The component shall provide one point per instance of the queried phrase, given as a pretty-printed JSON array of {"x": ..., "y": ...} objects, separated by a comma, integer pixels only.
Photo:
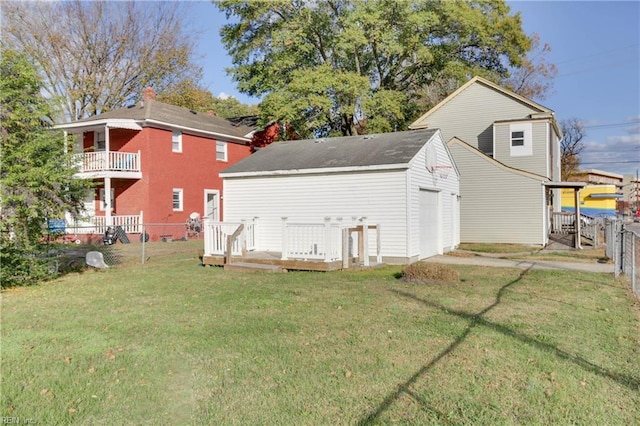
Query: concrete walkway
[{"x": 494, "y": 260}]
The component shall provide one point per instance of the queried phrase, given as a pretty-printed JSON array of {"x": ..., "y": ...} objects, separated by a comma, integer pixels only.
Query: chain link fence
[
  {"x": 623, "y": 246},
  {"x": 68, "y": 247}
]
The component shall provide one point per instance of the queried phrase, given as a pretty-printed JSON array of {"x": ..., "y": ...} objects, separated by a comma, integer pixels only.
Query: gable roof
[
  {"x": 377, "y": 151},
  {"x": 479, "y": 80},
  {"x": 151, "y": 113}
]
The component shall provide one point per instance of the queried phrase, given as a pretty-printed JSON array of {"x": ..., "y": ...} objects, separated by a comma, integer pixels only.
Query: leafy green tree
[
  {"x": 36, "y": 174},
  {"x": 97, "y": 55},
  {"x": 361, "y": 66}
]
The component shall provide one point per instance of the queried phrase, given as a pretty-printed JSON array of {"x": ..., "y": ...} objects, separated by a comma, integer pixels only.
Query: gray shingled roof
[
  {"x": 395, "y": 148},
  {"x": 178, "y": 116}
]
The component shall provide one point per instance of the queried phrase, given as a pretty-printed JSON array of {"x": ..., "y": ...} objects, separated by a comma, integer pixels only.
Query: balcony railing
[{"x": 108, "y": 161}]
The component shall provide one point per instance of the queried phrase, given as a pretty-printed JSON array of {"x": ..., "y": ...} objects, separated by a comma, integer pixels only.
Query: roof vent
[
  {"x": 365, "y": 137},
  {"x": 319, "y": 141}
]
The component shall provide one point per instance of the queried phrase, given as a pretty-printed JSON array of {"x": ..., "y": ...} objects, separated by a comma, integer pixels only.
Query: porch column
[
  {"x": 107, "y": 202},
  {"x": 576, "y": 199},
  {"x": 107, "y": 148}
]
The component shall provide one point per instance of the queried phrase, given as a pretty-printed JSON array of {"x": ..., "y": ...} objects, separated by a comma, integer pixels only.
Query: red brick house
[{"x": 159, "y": 163}]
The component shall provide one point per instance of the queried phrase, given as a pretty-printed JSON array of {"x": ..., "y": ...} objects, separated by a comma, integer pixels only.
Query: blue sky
[{"x": 595, "y": 44}]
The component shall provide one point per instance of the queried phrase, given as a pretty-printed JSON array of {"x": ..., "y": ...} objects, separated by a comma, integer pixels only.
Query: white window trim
[
  {"x": 176, "y": 136},
  {"x": 97, "y": 140},
  {"x": 224, "y": 152},
  {"x": 180, "y": 193},
  {"x": 526, "y": 149}
]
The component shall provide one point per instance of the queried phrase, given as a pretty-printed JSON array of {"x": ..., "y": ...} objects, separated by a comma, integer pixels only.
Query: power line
[
  {"x": 627, "y": 123},
  {"x": 610, "y": 162}
]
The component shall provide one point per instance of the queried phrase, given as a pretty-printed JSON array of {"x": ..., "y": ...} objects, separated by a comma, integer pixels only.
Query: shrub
[{"x": 422, "y": 272}]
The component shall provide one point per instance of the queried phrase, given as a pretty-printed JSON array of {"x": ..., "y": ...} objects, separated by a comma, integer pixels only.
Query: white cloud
[{"x": 223, "y": 96}]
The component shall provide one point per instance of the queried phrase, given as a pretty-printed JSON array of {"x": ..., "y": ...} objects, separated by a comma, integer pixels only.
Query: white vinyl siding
[
  {"x": 421, "y": 179},
  {"x": 503, "y": 206},
  {"x": 470, "y": 115},
  {"x": 176, "y": 141},
  {"x": 221, "y": 151},
  {"x": 532, "y": 156},
  {"x": 379, "y": 196}
]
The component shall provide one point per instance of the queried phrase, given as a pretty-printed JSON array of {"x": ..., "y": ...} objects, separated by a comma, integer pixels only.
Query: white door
[
  {"x": 430, "y": 229},
  {"x": 212, "y": 205}
]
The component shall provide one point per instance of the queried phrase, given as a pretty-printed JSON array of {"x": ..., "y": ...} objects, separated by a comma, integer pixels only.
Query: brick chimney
[{"x": 148, "y": 94}]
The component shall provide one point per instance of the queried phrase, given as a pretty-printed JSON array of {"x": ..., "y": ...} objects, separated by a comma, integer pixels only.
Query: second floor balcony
[{"x": 115, "y": 164}]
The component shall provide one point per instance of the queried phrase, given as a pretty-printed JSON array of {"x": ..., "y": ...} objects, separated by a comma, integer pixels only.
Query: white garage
[{"x": 404, "y": 182}]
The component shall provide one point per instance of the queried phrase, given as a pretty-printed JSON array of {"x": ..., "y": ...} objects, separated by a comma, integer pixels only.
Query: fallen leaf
[
  {"x": 92, "y": 370},
  {"x": 347, "y": 374},
  {"x": 67, "y": 360},
  {"x": 72, "y": 410}
]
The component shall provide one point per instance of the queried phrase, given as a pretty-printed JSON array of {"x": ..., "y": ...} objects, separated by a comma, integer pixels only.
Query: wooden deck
[{"x": 274, "y": 258}]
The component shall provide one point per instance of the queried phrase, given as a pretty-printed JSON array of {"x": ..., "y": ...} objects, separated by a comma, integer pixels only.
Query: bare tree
[
  {"x": 96, "y": 56},
  {"x": 571, "y": 146},
  {"x": 533, "y": 79}
]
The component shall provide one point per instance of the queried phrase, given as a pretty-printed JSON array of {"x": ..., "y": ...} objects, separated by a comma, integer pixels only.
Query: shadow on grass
[{"x": 475, "y": 320}]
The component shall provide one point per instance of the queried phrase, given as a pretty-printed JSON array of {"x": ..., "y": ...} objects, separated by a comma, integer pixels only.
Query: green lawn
[{"x": 173, "y": 342}]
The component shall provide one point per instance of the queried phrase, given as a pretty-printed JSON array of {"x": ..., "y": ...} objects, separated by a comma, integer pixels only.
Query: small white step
[{"x": 252, "y": 267}]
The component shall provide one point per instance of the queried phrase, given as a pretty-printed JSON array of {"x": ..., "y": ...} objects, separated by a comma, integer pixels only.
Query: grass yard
[{"x": 174, "y": 342}]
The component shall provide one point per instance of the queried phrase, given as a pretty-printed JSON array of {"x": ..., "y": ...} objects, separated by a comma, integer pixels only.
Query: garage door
[{"x": 429, "y": 223}]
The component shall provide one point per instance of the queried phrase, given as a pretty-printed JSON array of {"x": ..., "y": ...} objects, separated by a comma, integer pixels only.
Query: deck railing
[
  {"x": 131, "y": 224},
  {"x": 326, "y": 241},
  {"x": 105, "y": 161},
  {"x": 216, "y": 233},
  {"x": 563, "y": 223},
  {"x": 312, "y": 241}
]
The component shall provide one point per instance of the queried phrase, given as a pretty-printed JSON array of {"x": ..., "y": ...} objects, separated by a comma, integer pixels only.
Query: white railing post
[
  {"x": 208, "y": 237},
  {"x": 327, "y": 239},
  {"x": 284, "y": 239},
  {"x": 365, "y": 241},
  {"x": 345, "y": 248},
  {"x": 378, "y": 245}
]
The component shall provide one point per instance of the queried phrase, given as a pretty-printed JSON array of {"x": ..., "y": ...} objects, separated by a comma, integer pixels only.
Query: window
[
  {"x": 176, "y": 141},
  {"x": 517, "y": 138},
  {"x": 521, "y": 139},
  {"x": 177, "y": 199},
  {"x": 99, "y": 143},
  {"x": 221, "y": 151}
]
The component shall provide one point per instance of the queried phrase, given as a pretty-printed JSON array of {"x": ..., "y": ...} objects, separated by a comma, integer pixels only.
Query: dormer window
[
  {"x": 517, "y": 138},
  {"x": 521, "y": 139}
]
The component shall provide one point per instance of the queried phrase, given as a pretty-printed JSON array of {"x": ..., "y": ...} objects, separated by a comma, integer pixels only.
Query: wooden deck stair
[{"x": 253, "y": 267}]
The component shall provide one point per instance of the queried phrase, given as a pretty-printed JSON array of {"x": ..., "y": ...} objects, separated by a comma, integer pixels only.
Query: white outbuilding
[{"x": 405, "y": 183}]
